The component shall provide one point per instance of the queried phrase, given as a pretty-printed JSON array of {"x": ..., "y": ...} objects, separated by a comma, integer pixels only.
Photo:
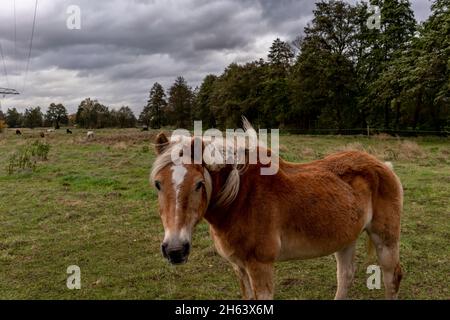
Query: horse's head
[{"x": 183, "y": 196}]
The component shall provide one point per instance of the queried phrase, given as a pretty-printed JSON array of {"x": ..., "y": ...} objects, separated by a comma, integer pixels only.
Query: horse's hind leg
[
  {"x": 345, "y": 270},
  {"x": 389, "y": 260},
  {"x": 384, "y": 231}
]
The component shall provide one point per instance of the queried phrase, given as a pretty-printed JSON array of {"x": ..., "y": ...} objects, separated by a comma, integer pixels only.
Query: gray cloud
[{"x": 124, "y": 46}]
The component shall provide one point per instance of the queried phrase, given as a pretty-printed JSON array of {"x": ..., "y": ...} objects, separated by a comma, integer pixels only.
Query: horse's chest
[{"x": 224, "y": 248}]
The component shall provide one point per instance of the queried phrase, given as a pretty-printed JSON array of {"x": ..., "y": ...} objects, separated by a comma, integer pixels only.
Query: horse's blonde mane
[{"x": 230, "y": 188}]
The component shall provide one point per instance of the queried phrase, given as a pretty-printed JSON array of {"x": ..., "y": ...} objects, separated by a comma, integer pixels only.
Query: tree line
[
  {"x": 90, "y": 114},
  {"x": 340, "y": 74},
  {"x": 33, "y": 117}
]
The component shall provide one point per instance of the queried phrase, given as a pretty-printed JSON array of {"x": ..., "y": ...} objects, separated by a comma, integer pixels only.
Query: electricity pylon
[{"x": 5, "y": 91}]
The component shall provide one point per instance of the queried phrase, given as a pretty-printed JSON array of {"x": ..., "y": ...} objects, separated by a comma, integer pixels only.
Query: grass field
[{"x": 90, "y": 204}]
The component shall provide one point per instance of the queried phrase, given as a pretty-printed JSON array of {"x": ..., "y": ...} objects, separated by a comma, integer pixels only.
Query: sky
[{"x": 123, "y": 46}]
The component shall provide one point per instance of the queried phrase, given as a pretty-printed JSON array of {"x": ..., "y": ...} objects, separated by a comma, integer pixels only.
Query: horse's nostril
[
  {"x": 178, "y": 254},
  {"x": 164, "y": 249},
  {"x": 186, "y": 248}
]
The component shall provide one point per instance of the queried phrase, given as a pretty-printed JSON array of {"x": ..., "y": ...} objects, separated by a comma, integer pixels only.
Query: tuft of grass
[
  {"x": 40, "y": 150},
  {"x": 410, "y": 150},
  {"x": 21, "y": 160},
  {"x": 26, "y": 157}
]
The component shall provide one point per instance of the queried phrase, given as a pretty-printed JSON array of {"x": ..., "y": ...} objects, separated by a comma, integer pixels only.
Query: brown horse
[{"x": 303, "y": 211}]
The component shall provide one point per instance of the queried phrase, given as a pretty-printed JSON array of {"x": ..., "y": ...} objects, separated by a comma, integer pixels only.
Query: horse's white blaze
[
  {"x": 178, "y": 174},
  {"x": 167, "y": 235},
  {"x": 185, "y": 235}
]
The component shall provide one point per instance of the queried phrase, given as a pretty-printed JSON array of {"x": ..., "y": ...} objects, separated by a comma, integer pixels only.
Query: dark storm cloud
[{"x": 124, "y": 46}]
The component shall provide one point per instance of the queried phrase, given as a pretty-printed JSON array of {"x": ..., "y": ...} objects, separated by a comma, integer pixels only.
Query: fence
[{"x": 366, "y": 132}]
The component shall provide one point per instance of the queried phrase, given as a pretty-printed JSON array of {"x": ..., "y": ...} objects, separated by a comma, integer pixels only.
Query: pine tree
[
  {"x": 153, "y": 113},
  {"x": 180, "y": 103},
  {"x": 13, "y": 118},
  {"x": 202, "y": 107},
  {"x": 280, "y": 56},
  {"x": 32, "y": 117}
]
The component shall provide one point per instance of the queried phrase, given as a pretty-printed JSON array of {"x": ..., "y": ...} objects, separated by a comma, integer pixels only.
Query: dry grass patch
[
  {"x": 353, "y": 146},
  {"x": 383, "y": 136},
  {"x": 120, "y": 146},
  {"x": 308, "y": 152},
  {"x": 128, "y": 138},
  {"x": 410, "y": 150}
]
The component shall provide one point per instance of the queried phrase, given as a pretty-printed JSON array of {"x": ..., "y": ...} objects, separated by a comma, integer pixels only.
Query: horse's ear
[
  {"x": 161, "y": 143},
  {"x": 197, "y": 147}
]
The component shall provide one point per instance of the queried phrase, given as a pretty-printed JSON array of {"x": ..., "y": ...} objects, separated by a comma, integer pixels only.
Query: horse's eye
[
  {"x": 199, "y": 185},
  {"x": 158, "y": 185}
]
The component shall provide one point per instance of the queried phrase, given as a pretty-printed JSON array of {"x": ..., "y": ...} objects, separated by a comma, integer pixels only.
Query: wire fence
[
  {"x": 366, "y": 132},
  {"x": 349, "y": 132}
]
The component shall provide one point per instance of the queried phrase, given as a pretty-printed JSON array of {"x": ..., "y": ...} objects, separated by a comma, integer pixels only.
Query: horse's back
[{"x": 349, "y": 165}]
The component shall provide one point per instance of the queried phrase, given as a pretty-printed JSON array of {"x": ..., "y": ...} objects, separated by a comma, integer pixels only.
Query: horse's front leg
[
  {"x": 261, "y": 279},
  {"x": 244, "y": 281}
]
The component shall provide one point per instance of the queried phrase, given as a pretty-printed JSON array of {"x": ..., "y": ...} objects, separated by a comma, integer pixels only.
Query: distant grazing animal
[
  {"x": 144, "y": 128},
  {"x": 42, "y": 135},
  {"x": 69, "y": 131},
  {"x": 302, "y": 211},
  {"x": 18, "y": 132},
  {"x": 50, "y": 130},
  {"x": 90, "y": 134}
]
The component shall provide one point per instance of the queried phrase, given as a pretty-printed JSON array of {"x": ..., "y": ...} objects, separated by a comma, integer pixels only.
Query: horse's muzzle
[{"x": 176, "y": 255}]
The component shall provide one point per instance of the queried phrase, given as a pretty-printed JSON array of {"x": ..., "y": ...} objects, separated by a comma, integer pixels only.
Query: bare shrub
[{"x": 3, "y": 126}]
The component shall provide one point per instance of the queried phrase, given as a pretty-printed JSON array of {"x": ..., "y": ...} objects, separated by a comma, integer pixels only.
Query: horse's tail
[
  {"x": 370, "y": 247},
  {"x": 389, "y": 165}
]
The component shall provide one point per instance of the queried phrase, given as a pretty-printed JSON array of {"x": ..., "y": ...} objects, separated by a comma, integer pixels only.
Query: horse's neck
[{"x": 224, "y": 217}]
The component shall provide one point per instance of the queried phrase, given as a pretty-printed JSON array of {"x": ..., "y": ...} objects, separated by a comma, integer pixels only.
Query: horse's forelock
[{"x": 230, "y": 188}]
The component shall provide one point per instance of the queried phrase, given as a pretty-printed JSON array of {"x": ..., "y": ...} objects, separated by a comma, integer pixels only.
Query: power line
[
  {"x": 31, "y": 45},
  {"x": 15, "y": 43},
  {"x": 4, "y": 64}
]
